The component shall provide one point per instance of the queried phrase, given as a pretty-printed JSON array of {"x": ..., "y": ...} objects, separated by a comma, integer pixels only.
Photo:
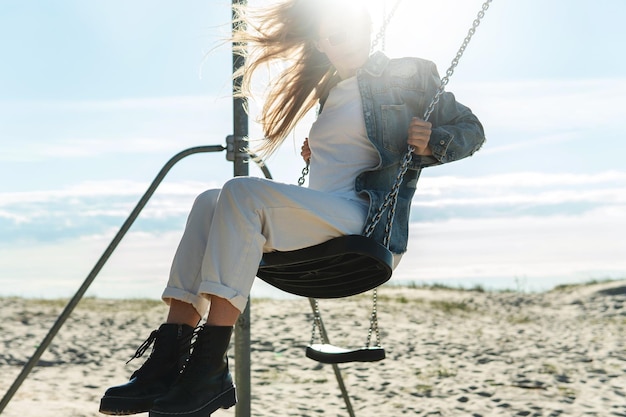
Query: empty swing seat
[
  {"x": 327, "y": 353},
  {"x": 340, "y": 267}
]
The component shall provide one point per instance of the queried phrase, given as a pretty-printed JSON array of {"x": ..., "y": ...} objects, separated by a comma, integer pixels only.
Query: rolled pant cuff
[
  {"x": 237, "y": 299},
  {"x": 200, "y": 303}
]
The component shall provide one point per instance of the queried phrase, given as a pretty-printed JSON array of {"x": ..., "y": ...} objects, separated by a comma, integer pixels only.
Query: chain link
[
  {"x": 374, "y": 321},
  {"x": 317, "y": 323},
  {"x": 305, "y": 172}
]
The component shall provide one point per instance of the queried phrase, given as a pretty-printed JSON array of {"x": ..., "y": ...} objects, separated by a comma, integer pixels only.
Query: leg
[
  {"x": 172, "y": 341},
  {"x": 181, "y": 312},
  {"x": 171, "y": 349},
  {"x": 222, "y": 312},
  {"x": 185, "y": 273},
  {"x": 251, "y": 216}
]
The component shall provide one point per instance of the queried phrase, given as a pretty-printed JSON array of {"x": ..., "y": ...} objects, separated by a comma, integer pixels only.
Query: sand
[{"x": 449, "y": 353}]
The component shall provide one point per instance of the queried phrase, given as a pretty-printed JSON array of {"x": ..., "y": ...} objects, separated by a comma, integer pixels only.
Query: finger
[
  {"x": 416, "y": 121},
  {"x": 420, "y": 130}
]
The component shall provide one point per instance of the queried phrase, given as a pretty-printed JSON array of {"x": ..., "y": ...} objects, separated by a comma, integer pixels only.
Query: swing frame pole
[
  {"x": 237, "y": 144},
  {"x": 240, "y": 159}
]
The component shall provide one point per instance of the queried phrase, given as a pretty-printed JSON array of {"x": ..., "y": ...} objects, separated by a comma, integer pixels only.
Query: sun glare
[{"x": 425, "y": 28}]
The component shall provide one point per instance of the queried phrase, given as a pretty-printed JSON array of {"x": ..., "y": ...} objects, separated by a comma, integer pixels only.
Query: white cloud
[
  {"x": 123, "y": 188},
  {"x": 94, "y": 204},
  {"x": 138, "y": 268},
  {"x": 542, "y": 252},
  {"x": 529, "y": 144},
  {"x": 501, "y": 253},
  {"x": 522, "y": 179},
  {"x": 526, "y": 188},
  {"x": 607, "y": 197},
  {"x": 14, "y": 217},
  {"x": 544, "y": 106}
]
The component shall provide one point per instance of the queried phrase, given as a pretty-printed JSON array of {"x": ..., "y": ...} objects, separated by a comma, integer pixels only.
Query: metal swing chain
[
  {"x": 317, "y": 320},
  {"x": 392, "y": 197},
  {"x": 381, "y": 36},
  {"x": 382, "y": 33},
  {"x": 305, "y": 172},
  {"x": 373, "y": 321}
]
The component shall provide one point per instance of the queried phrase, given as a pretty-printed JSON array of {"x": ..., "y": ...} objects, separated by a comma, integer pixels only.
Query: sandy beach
[{"x": 449, "y": 353}]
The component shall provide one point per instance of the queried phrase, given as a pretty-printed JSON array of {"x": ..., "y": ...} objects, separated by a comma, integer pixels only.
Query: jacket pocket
[{"x": 395, "y": 121}]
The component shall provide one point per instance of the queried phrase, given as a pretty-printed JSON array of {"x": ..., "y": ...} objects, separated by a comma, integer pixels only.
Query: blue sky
[{"x": 96, "y": 96}]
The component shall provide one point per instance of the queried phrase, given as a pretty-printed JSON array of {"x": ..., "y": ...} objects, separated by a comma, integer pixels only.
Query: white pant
[{"x": 229, "y": 229}]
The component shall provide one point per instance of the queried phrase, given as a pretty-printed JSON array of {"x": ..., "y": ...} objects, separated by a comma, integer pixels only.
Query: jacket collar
[{"x": 376, "y": 64}]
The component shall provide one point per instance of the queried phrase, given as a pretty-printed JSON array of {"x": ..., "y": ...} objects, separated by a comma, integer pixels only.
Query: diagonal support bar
[{"x": 99, "y": 265}]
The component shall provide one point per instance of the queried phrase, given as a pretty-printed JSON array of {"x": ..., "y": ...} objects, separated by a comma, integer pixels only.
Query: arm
[{"x": 456, "y": 132}]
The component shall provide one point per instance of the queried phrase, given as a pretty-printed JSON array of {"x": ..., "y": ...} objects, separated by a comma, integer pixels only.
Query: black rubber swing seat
[
  {"x": 340, "y": 267},
  {"x": 327, "y": 353}
]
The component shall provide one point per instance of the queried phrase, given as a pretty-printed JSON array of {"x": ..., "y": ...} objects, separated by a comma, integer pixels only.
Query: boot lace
[
  {"x": 144, "y": 346},
  {"x": 183, "y": 352},
  {"x": 196, "y": 341}
]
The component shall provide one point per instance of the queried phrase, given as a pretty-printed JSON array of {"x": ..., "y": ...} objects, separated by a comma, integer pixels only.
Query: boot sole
[
  {"x": 225, "y": 400},
  {"x": 120, "y": 406}
]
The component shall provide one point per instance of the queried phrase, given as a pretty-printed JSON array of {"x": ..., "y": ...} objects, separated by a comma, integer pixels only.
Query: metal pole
[
  {"x": 98, "y": 266},
  {"x": 242, "y": 328}
]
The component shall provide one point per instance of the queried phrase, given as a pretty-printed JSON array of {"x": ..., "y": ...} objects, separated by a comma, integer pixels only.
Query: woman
[{"x": 370, "y": 113}]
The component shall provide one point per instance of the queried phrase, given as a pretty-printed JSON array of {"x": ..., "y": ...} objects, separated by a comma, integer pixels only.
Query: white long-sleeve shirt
[{"x": 340, "y": 149}]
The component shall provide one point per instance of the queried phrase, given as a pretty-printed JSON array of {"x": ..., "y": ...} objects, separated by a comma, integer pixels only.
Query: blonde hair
[{"x": 287, "y": 32}]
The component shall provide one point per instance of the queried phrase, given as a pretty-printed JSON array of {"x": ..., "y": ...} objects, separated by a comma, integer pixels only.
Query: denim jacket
[{"x": 393, "y": 91}]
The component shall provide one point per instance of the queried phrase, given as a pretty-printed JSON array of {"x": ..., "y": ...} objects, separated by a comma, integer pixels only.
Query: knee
[
  {"x": 239, "y": 186},
  {"x": 241, "y": 192}
]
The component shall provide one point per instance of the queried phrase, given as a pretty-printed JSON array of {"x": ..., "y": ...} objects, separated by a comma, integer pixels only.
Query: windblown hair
[{"x": 285, "y": 32}]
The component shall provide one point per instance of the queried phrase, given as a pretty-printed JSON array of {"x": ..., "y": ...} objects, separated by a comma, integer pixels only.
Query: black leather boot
[
  {"x": 155, "y": 377},
  {"x": 205, "y": 384}
]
